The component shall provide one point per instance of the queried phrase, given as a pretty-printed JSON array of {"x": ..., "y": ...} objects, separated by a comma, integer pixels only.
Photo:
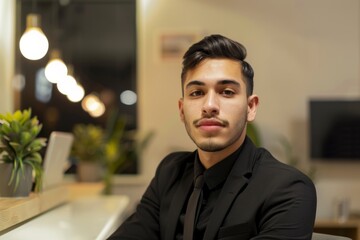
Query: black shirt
[{"x": 214, "y": 178}]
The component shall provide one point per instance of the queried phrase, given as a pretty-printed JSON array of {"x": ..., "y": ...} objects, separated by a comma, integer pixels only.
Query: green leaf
[
  {"x": 35, "y": 145},
  {"x": 25, "y": 116},
  {"x": 25, "y": 138},
  {"x": 5, "y": 129},
  {"x": 35, "y": 131},
  {"x": 16, "y": 147},
  {"x": 35, "y": 157},
  {"x": 13, "y": 172},
  {"x": 7, "y": 117},
  {"x": 34, "y": 121},
  {"x": 17, "y": 115},
  {"x": 38, "y": 174},
  {"x": 17, "y": 179},
  {"x": 15, "y": 126}
]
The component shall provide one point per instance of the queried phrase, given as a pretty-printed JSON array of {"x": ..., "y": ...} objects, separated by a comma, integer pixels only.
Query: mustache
[{"x": 222, "y": 122}]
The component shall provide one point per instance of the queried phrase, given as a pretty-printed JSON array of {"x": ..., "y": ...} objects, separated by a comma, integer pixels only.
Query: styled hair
[{"x": 217, "y": 47}]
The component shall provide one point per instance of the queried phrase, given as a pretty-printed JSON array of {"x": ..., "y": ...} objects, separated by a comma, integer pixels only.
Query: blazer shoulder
[
  {"x": 171, "y": 168},
  {"x": 176, "y": 160},
  {"x": 269, "y": 165}
]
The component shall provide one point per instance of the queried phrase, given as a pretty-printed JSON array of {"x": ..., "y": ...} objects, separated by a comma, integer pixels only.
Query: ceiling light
[
  {"x": 56, "y": 69},
  {"x": 33, "y": 43},
  {"x": 66, "y": 84},
  {"x": 76, "y": 94}
]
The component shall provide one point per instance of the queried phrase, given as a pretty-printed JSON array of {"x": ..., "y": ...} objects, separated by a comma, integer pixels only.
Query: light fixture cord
[
  {"x": 34, "y": 6},
  {"x": 56, "y": 31}
]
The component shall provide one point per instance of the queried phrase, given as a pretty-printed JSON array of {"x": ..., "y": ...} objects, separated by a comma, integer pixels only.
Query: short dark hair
[{"x": 215, "y": 47}]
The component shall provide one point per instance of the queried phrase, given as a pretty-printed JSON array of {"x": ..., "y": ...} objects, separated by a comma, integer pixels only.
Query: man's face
[{"x": 215, "y": 107}]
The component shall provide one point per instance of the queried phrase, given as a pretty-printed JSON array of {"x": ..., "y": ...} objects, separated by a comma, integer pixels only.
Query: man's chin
[{"x": 210, "y": 147}]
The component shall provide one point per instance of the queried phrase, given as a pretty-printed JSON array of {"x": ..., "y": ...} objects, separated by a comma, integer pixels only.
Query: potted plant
[
  {"x": 122, "y": 147},
  {"x": 87, "y": 149},
  {"x": 20, "y": 153},
  {"x": 101, "y": 153}
]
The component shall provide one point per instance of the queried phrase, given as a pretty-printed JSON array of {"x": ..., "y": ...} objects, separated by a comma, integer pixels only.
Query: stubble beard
[{"x": 210, "y": 144}]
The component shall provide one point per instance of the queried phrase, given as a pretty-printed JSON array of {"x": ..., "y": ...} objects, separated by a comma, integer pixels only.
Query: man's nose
[{"x": 211, "y": 104}]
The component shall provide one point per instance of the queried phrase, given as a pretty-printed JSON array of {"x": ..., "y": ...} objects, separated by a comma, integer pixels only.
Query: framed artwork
[{"x": 173, "y": 45}]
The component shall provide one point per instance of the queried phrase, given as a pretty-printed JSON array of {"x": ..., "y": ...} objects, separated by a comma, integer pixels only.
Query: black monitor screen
[{"x": 335, "y": 129}]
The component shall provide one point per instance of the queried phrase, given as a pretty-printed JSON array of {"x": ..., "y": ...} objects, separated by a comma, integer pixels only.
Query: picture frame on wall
[{"x": 173, "y": 44}]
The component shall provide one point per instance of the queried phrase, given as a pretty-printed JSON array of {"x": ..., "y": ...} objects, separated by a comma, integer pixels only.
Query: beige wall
[
  {"x": 299, "y": 50},
  {"x": 7, "y": 33}
]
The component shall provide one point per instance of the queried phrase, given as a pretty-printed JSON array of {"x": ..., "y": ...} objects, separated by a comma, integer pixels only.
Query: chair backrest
[{"x": 321, "y": 236}]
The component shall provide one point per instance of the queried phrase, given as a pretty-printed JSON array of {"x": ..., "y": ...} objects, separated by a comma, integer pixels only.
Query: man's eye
[
  {"x": 228, "y": 92},
  {"x": 196, "y": 93}
]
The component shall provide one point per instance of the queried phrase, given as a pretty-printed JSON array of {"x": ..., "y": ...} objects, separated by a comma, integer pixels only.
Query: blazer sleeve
[
  {"x": 289, "y": 210},
  {"x": 144, "y": 222}
]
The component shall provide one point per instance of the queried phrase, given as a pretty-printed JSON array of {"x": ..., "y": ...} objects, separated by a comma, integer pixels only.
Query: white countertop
[{"x": 88, "y": 218}]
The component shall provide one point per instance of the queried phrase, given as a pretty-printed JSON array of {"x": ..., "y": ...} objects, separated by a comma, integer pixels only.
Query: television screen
[{"x": 334, "y": 129}]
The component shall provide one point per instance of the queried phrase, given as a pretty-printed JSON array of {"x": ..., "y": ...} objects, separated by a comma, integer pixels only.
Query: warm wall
[{"x": 7, "y": 33}]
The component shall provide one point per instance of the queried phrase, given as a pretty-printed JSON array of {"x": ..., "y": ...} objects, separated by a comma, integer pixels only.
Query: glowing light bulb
[
  {"x": 76, "y": 93},
  {"x": 98, "y": 111},
  {"x": 90, "y": 102},
  {"x": 33, "y": 43},
  {"x": 66, "y": 84},
  {"x": 56, "y": 69},
  {"x": 93, "y": 105}
]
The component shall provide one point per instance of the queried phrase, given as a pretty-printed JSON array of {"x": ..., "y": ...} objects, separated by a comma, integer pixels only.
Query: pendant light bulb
[
  {"x": 33, "y": 43},
  {"x": 56, "y": 69},
  {"x": 76, "y": 94},
  {"x": 66, "y": 84}
]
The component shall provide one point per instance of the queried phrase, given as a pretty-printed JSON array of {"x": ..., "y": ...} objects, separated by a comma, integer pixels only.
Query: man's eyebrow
[
  {"x": 195, "y": 82},
  {"x": 221, "y": 82},
  {"x": 229, "y": 81}
]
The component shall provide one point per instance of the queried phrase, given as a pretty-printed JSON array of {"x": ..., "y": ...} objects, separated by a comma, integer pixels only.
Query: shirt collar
[{"x": 217, "y": 174}]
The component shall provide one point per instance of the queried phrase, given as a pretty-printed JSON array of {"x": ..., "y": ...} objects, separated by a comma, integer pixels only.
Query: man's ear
[
  {"x": 253, "y": 102},
  {"x": 181, "y": 109}
]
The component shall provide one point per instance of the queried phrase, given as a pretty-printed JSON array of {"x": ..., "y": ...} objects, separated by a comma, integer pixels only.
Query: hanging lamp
[
  {"x": 33, "y": 43},
  {"x": 55, "y": 69}
]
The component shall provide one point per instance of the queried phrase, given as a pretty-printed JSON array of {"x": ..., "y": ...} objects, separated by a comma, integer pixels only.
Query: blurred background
[
  {"x": 97, "y": 42},
  {"x": 300, "y": 51}
]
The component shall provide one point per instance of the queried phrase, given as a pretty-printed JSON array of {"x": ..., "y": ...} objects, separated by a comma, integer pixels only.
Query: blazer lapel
[
  {"x": 178, "y": 201},
  {"x": 234, "y": 185}
]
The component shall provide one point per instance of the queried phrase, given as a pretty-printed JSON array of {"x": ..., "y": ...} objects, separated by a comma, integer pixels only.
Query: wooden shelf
[
  {"x": 16, "y": 210},
  {"x": 349, "y": 228}
]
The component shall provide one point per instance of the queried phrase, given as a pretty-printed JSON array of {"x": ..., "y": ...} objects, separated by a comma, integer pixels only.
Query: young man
[{"x": 245, "y": 193}]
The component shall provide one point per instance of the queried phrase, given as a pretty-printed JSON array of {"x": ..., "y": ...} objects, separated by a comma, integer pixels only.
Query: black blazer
[{"x": 262, "y": 198}]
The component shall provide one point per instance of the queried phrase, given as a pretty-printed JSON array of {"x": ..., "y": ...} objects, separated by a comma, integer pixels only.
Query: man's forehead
[{"x": 215, "y": 67}]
